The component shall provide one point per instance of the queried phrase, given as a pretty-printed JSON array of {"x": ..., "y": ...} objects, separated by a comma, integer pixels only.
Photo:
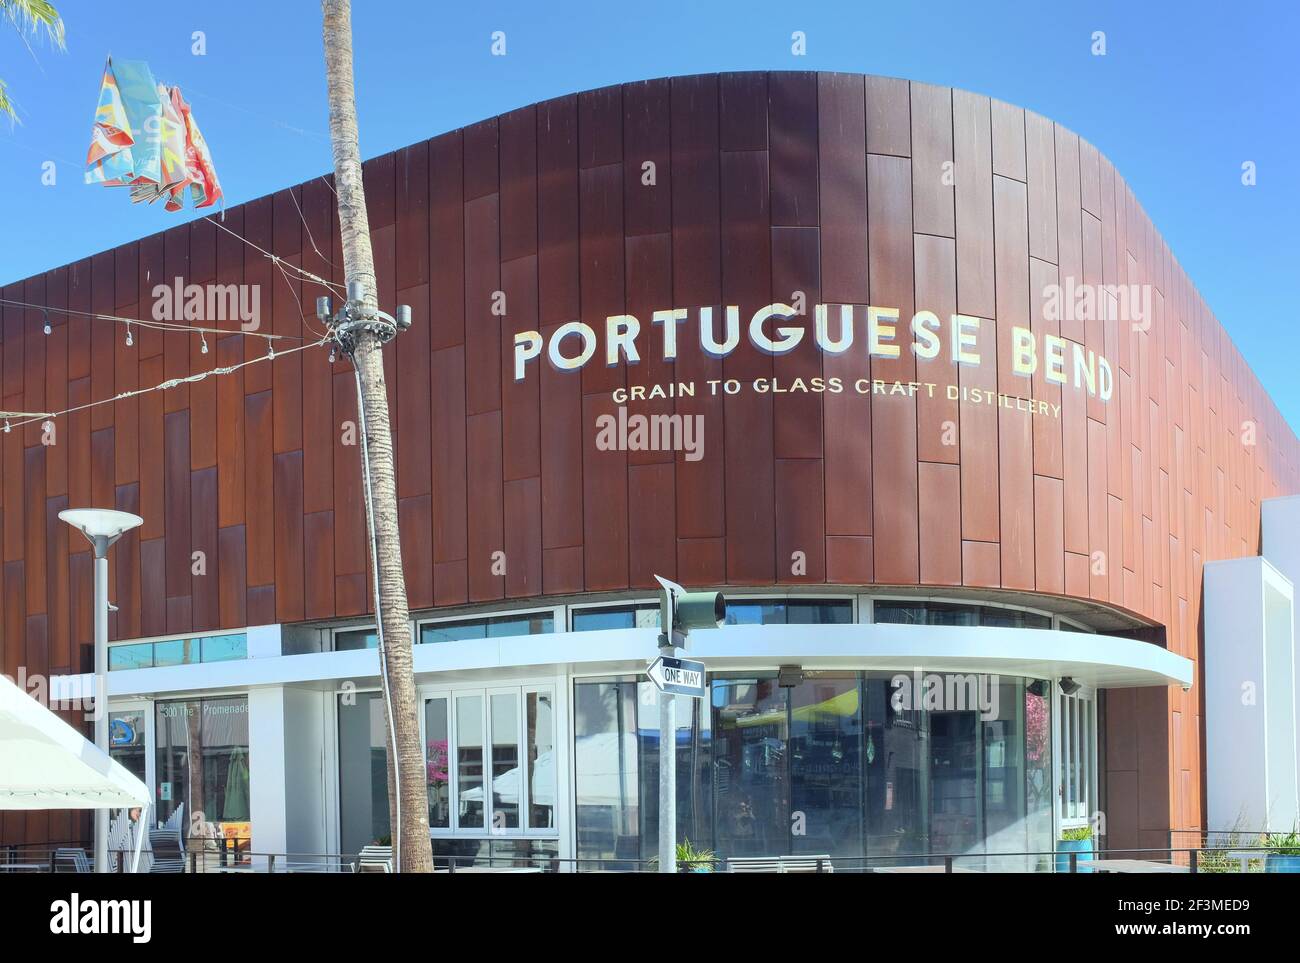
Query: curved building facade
[{"x": 905, "y": 371}]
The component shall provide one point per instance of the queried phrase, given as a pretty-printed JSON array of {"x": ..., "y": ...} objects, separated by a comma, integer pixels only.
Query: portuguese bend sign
[{"x": 777, "y": 329}]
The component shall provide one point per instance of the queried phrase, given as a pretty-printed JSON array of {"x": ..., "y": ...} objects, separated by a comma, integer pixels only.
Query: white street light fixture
[{"x": 102, "y": 527}]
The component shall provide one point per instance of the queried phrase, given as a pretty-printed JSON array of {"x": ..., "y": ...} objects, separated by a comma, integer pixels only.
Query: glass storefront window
[
  {"x": 606, "y": 763},
  {"x": 826, "y": 753},
  {"x": 144, "y": 655},
  {"x": 896, "y": 768},
  {"x": 897, "y": 772},
  {"x": 224, "y": 648},
  {"x": 906, "y": 612},
  {"x": 507, "y": 786},
  {"x": 616, "y": 617},
  {"x": 436, "y": 745},
  {"x": 202, "y": 764},
  {"x": 789, "y": 612},
  {"x": 469, "y": 761},
  {"x": 363, "y": 771},
  {"x": 354, "y": 639},
  {"x": 750, "y": 767},
  {"x": 497, "y": 627},
  {"x": 539, "y": 719},
  {"x": 126, "y": 741},
  {"x": 135, "y": 656},
  {"x": 1013, "y": 618}
]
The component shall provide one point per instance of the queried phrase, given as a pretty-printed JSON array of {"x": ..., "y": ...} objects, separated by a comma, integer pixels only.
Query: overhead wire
[
  {"x": 152, "y": 325},
  {"x": 169, "y": 383}
]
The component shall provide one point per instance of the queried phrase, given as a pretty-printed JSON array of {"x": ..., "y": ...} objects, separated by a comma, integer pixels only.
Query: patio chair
[
  {"x": 71, "y": 859},
  {"x": 167, "y": 844},
  {"x": 779, "y": 864},
  {"x": 374, "y": 859},
  {"x": 168, "y": 854}
]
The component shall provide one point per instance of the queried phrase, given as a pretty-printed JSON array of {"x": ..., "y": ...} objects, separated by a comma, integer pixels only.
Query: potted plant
[
  {"x": 1077, "y": 840},
  {"x": 689, "y": 859},
  {"x": 692, "y": 860},
  {"x": 1284, "y": 852}
]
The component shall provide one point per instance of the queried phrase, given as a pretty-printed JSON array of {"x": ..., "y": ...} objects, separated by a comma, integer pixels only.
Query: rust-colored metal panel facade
[{"x": 694, "y": 192}]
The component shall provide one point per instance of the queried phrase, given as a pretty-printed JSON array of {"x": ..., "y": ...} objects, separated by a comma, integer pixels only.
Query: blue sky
[{"x": 1185, "y": 93}]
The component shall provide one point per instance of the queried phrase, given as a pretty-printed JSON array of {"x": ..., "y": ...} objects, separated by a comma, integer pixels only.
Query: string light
[
  {"x": 333, "y": 354},
  {"x": 203, "y": 338},
  {"x": 129, "y": 340},
  {"x": 7, "y": 428},
  {"x": 47, "y": 320}
]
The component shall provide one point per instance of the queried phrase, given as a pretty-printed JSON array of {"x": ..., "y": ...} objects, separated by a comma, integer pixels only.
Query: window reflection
[
  {"x": 616, "y": 617},
  {"x": 539, "y": 717},
  {"x": 838, "y": 765},
  {"x": 751, "y": 785},
  {"x": 606, "y": 764},
  {"x": 507, "y": 784},
  {"x": 363, "y": 771},
  {"x": 469, "y": 760},
  {"x": 489, "y": 628},
  {"x": 202, "y": 764},
  {"x": 436, "y": 743},
  {"x": 907, "y": 612}
]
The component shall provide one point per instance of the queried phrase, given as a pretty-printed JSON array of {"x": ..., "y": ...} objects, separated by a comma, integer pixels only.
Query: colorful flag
[
  {"x": 145, "y": 137},
  {"x": 126, "y": 143},
  {"x": 204, "y": 186}
]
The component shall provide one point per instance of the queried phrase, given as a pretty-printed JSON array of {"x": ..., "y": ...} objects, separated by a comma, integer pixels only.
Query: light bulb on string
[
  {"x": 333, "y": 354},
  {"x": 129, "y": 340},
  {"x": 48, "y": 329},
  {"x": 6, "y": 426},
  {"x": 204, "y": 347}
]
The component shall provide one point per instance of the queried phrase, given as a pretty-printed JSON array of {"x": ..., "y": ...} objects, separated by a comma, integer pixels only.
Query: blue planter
[
  {"x": 1278, "y": 863},
  {"x": 1066, "y": 846}
]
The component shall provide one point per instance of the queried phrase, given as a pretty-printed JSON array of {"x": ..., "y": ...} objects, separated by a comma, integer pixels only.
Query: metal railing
[{"x": 1204, "y": 857}]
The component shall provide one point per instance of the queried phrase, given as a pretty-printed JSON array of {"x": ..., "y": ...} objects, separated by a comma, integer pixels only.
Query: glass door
[
  {"x": 468, "y": 741},
  {"x": 750, "y": 772},
  {"x": 490, "y": 761}
]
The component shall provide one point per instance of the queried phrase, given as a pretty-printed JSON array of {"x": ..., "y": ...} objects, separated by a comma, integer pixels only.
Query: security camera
[{"x": 1187, "y": 687}]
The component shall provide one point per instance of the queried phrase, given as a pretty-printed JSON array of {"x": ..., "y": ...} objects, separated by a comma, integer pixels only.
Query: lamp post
[{"x": 102, "y": 527}]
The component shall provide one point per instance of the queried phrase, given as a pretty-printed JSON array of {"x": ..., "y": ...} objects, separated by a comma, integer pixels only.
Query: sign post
[{"x": 679, "y": 612}]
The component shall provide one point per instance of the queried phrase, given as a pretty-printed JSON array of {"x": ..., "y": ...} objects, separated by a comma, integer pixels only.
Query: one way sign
[{"x": 678, "y": 676}]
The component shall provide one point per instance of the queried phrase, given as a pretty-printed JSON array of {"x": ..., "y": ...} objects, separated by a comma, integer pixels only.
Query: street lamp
[{"x": 102, "y": 527}]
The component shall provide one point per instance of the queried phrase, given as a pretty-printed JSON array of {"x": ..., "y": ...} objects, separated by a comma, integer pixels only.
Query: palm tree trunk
[{"x": 407, "y": 789}]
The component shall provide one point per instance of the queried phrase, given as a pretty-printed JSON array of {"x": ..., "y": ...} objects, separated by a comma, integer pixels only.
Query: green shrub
[
  {"x": 1079, "y": 832},
  {"x": 1284, "y": 844}
]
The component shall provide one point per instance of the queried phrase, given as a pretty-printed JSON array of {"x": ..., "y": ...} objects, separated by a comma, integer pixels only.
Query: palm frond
[
  {"x": 7, "y": 106},
  {"x": 31, "y": 16}
]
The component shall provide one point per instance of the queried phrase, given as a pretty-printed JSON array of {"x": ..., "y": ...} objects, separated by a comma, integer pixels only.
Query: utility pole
[
  {"x": 362, "y": 330},
  {"x": 679, "y": 612}
]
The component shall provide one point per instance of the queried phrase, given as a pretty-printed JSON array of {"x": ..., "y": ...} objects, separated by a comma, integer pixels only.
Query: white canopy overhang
[
  {"x": 1093, "y": 659},
  {"x": 47, "y": 764}
]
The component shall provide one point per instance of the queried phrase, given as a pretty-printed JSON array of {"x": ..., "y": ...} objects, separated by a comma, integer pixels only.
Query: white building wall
[
  {"x": 266, "y": 770},
  {"x": 304, "y": 770},
  {"x": 1250, "y": 737},
  {"x": 1280, "y": 544}
]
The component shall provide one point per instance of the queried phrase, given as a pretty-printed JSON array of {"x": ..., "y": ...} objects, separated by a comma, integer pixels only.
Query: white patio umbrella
[
  {"x": 47, "y": 764},
  {"x": 506, "y": 786}
]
